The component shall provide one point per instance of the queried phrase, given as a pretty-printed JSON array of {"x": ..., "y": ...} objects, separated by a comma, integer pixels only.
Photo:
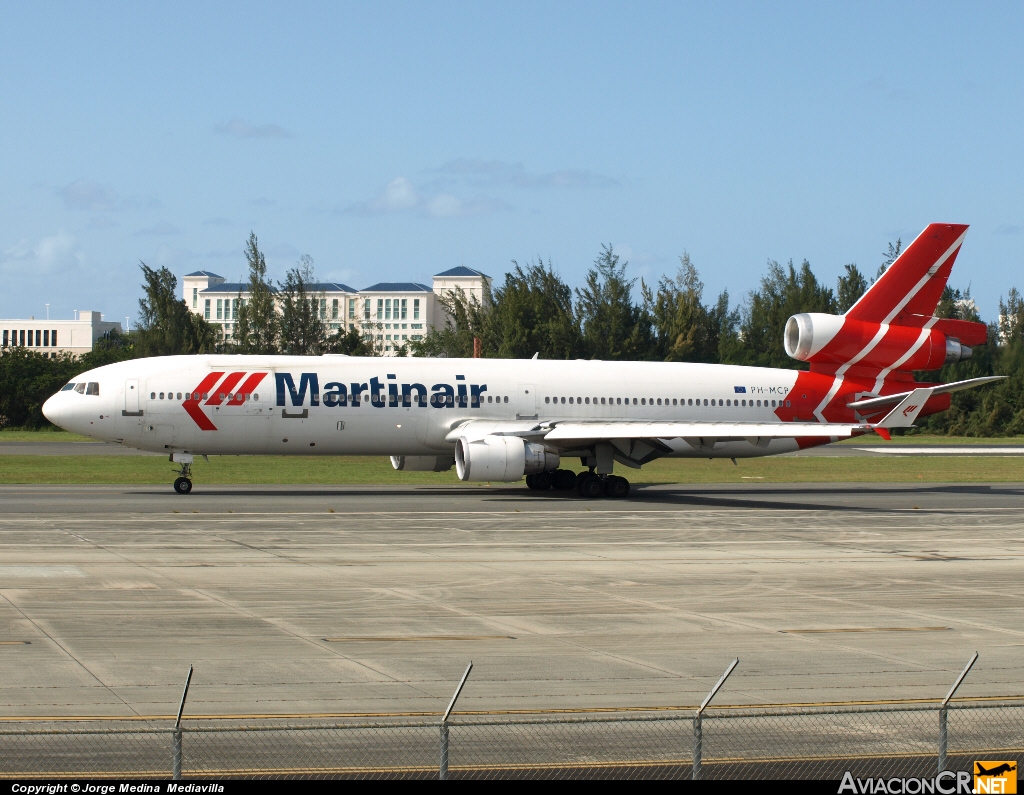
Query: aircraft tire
[
  {"x": 183, "y": 485},
  {"x": 564, "y": 479},
  {"x": 542, "y": 481},
  {"x": 590, "y": 486},
  {"x": 531, "y": 482},
  {"x": 616, "y": 487}
]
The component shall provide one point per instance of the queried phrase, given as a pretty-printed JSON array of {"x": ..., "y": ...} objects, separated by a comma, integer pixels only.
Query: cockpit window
[
  {"x": 93, "y": 388},
  {"x": 66, "y": 387},
  {"x": 80, "y": 388}
]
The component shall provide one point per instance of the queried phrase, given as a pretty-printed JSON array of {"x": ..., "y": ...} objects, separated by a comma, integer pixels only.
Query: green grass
[
  {"x": 874, "y": 440},
  {"x": 49, "y": 434},
  {"x": 377, "y": 470}
]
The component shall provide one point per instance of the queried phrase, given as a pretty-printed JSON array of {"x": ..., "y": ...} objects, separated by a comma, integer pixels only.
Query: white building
[
  {"x": 392, "y": 314},
  {"x": 56, "y": 336}
]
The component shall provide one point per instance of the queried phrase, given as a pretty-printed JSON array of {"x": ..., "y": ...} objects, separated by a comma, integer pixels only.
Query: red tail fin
[{"x": 913, "y": 284}]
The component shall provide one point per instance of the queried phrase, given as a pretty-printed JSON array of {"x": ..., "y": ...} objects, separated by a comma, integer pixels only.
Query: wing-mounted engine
[
  {"x": 915, "y": 343},
  {"x": 502, "y": 459}
]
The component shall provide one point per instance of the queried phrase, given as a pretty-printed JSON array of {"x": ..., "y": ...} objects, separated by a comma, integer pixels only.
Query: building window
[
  {"x": 323, "y": 309},
  {"x": 46, "y": 338},
  {"x": 415, "y": 308},
  {"x": 366, "y": 309},
  {"x": 220, "y": 309},
  {"x": 234, "y": 308},
  {"x": 387, "y": 309},
  {"x": 380, "y": 309},
  {"x": 6, "y": 337},
  {"x": 21, "y": 336},
  {"x": 195, "y": 297},
  {"x": 53, "y": 338},
  {"x": 405, "y": 308},
  {"x": 351, "y": 308},
  {"x": 206, "y": 313},
  {"x": 334, "y": 309}
]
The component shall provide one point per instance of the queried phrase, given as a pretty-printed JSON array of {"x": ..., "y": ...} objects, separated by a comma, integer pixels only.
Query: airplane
[{"x": 499, "y": 420}]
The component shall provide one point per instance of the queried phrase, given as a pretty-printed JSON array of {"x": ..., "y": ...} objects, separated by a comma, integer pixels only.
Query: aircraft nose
[{"x": 52, "y": 409}]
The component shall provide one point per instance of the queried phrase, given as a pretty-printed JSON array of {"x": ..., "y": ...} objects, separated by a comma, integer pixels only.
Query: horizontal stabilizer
[
  {"x": 941, "y": 389},
  {"x": 906, "y": 412}
]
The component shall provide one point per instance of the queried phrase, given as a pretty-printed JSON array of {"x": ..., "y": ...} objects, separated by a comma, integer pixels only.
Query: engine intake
[
  {"x": 503, "y": 459},
  {"x": 836, "y": 340}
]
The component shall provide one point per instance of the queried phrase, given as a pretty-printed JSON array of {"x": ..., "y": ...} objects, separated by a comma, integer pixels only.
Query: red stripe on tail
[{"x": 907, "y": 287}]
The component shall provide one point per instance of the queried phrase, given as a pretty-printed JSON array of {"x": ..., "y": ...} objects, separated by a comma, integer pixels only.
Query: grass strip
[{"x": 29, "y": 469}]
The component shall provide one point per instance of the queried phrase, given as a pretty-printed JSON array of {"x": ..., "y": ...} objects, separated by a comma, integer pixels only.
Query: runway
[{"x": 342, "y": 600}]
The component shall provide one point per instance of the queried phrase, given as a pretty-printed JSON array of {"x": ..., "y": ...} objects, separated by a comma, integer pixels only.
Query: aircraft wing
[{"x": 571, "y": 434}]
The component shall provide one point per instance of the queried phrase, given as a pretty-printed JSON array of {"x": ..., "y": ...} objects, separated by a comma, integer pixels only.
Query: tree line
[{"x": 534, "y": 311}]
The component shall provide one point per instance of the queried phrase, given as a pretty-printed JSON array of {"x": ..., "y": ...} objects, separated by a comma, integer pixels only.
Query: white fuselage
[{"x": 339, "y": 405}]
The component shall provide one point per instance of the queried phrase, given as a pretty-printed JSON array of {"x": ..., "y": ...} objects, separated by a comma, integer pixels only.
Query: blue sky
[{"x": 391, "y": 141}]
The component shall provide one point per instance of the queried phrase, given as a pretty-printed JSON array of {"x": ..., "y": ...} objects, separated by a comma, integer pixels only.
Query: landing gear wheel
[
  {"x": 543, "y": 481},
  {"x": 183, "y": 485},
  {"x": 565, "y": 479},
  {"x": 531, "y": 482},
  {"x": 590, "y": 485},
  {"x": 616, "y": 487}
]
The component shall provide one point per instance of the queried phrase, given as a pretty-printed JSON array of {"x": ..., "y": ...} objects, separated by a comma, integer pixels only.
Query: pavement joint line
[
  {"x": 796, "y": 705},
  {"x": 63, "y": 648}
]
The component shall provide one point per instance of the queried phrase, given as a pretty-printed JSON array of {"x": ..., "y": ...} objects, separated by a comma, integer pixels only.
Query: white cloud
[
  {"x": 400, "y": 195},
  {"x": 497, "y": 172},
  {"x": 447, "y": 206},
  {"x": 51, "y": 254},
  {"x": 85, "y": 194},
  {"x": 240, "y": 128}
]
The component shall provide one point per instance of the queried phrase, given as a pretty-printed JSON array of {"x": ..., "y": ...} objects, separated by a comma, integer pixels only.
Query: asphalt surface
[{"x": 312, "y": 600}]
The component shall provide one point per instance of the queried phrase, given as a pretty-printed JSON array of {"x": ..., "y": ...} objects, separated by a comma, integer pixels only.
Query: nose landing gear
[{"x": 183, "y": 483}]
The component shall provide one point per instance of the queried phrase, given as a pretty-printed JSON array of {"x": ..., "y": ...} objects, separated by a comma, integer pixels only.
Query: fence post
[
  {"x": 698, "y": 721},
  {"x": 944, "y": 714},
  {"x": 443, "y": 770},
  {"x": 176, "y": 745}
]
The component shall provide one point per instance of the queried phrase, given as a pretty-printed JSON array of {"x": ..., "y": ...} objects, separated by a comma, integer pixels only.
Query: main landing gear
[
  {"x": 183, "y": 483},
  {"x": 586, "y": 484}
]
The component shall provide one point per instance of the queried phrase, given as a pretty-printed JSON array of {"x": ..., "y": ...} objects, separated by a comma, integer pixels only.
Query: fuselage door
[
  {"x": 527, "y": 403},
  {"x": 131, "y": 397}
]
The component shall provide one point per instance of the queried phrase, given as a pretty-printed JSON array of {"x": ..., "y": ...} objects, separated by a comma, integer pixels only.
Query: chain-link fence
[{"x": 791, "y": 742}]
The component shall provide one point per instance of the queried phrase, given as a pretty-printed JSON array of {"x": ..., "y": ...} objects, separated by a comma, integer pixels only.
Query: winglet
[{"x": 906, "y": 411}]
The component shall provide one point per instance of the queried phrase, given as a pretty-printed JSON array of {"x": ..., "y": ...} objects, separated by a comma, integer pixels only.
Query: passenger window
[
  {"x": 152, "y": 395},
  {"x": 93, "y": 388},
  {"x": 634, "y": 401},
  {"x": 506, "y": 398},
  {"x": 161, "y": 395},
  {"x": 255, "y": 396},
  {"x": 179, "y": 396}
]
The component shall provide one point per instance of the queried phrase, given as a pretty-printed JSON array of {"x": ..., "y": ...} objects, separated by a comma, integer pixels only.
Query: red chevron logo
[{"x": 215, "y": 394}]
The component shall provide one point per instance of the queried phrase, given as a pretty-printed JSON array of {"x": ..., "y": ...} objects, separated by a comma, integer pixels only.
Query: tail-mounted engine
[
  {"x": 920, "y": 343},
  {"x": 502, "y": 459}
]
